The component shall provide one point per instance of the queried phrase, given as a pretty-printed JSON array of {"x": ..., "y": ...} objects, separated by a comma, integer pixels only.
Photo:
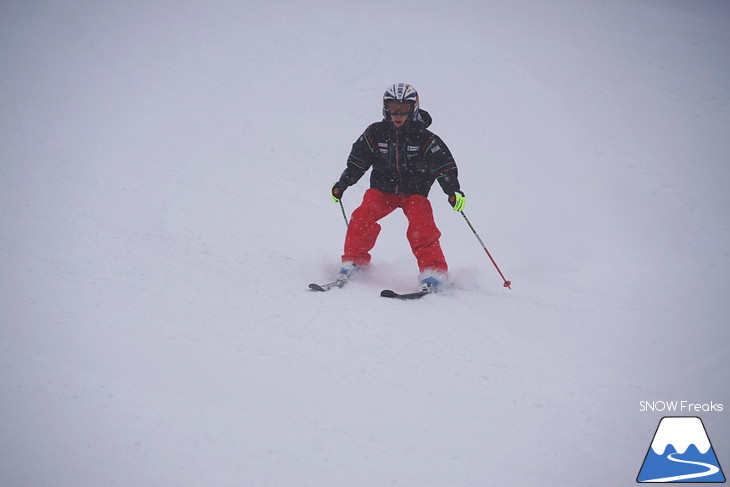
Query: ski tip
[
  {"x": 316, "y": 287},
  {"x": 387, "y": 293}
]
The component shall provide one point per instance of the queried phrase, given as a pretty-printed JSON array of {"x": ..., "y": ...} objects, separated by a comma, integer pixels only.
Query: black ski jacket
[{"x": 405, "y": 161}]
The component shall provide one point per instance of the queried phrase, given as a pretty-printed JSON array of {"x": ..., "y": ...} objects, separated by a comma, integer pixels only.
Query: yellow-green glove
[
  {"x": 457, "y": 200},
  {"x": 337, "y": 190}
]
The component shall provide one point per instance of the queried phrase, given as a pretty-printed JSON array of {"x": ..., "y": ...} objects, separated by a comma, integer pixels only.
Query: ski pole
[
  {"x": 344, "y": 214},
  {"x": 507, "y": 283}
]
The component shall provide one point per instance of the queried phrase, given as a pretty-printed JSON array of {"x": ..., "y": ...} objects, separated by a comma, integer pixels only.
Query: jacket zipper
[{"x": 397, "y": 160}]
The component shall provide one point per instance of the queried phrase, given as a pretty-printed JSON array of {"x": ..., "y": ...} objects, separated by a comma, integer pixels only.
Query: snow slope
[{"x": 164, "y": 178}]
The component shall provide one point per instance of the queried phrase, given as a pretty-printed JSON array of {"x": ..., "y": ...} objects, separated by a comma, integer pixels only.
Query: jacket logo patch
[
  {"x": 413, "y": 148},
  {"x": 435, "y": 148}
]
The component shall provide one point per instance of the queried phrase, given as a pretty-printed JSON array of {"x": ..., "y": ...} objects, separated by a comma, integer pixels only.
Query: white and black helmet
[{"x": 401, "y": 93}]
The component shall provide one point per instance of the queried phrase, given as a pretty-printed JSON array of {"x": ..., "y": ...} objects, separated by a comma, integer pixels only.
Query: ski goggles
[{"x": 395, "y": 108}]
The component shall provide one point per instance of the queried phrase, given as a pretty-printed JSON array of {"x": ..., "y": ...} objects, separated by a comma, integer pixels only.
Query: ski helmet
[{"x": 401, "y": 93}]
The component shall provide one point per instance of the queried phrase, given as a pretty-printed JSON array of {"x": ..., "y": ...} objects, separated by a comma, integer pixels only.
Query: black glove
[
  {"x": 337, "y": 190},
  {"x": 457, "y": 200}
]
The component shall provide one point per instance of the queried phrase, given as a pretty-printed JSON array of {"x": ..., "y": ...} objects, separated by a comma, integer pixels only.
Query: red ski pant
[{"x": 422, "y": 233}]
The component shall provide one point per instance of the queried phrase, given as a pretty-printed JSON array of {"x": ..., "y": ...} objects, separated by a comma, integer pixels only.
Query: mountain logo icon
[{"x": 681, "y": 452}]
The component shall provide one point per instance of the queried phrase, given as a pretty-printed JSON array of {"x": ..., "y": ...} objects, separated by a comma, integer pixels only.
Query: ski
[
  {"x": 387, "y": 293},
  {"x": 326, "y": 287}
]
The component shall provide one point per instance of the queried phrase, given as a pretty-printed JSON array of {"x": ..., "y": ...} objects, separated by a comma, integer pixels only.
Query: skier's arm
[
  {"x": 358, "y": 162},
  {"x": 446, "y": 173},
  {"x": 443, "y": 166}
]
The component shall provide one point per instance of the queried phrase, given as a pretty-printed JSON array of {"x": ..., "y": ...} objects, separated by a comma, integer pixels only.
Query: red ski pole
[{"x": 507, "y": 283}]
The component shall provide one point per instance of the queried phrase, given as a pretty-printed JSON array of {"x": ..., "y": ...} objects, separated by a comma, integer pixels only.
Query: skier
[{"x": 406, "y": 158}]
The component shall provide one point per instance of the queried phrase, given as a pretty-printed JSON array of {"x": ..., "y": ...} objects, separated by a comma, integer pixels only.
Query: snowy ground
[{"x": 164, "y": 178}]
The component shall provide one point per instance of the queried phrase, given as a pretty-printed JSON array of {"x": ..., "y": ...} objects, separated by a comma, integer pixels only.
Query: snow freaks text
[{"x": 680, "y": 407}]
